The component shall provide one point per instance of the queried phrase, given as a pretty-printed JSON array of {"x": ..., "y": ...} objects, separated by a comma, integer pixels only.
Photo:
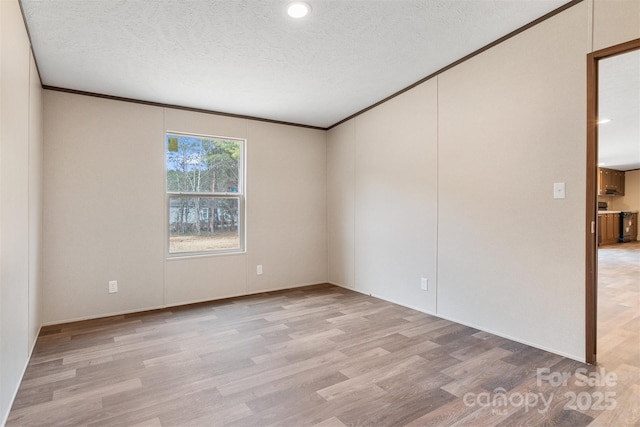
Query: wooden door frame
[{"x": 591, "y": 300}]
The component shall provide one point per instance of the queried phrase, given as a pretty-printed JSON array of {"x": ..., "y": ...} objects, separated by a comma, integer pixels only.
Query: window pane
[
  {"x": 203, "y": 165},
  {"x": 199, "y": 224}
]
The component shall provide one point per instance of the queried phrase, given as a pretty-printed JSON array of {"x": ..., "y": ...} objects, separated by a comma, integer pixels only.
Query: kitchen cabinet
[
  {"x": 617, "y": 181},
  {"x": 608, "y": 228},
  {"x": 610, "y": 181}
]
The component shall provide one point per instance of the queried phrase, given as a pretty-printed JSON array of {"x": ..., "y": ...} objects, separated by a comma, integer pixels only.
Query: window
[{"x": 205, "y": 194}]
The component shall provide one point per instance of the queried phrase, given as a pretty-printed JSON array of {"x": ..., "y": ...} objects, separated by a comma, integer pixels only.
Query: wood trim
[
  {"x": 178, "y": 107},
  {"x": 591, "y": 258},
  {"x": 591, "y": 295},
  {"x": 463, "y": 59},
  {"x": 618, "y": 49}
]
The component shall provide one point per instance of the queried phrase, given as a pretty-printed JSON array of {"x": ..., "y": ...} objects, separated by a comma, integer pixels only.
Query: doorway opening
[{"x": 593, "y": 118}]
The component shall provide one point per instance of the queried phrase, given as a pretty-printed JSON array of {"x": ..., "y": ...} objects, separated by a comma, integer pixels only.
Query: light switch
[{"x": 558, "y": 190}]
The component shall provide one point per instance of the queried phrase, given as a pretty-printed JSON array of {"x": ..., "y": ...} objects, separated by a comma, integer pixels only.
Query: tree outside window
[{"x": 205, "y": 193}]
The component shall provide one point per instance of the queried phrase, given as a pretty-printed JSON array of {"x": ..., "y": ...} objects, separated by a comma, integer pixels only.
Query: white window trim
[{"x": 240, "y": 195}]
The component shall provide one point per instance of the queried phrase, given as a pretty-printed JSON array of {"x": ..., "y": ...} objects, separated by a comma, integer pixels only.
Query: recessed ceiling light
[
  {"x": 603, "y": 121},
  {"x": 298, "y": 9}
]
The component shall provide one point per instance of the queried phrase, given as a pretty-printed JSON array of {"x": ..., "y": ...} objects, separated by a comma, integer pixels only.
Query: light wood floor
[
  {"x": 324, "y": 356},
  {"x": 619, "y": 328}
]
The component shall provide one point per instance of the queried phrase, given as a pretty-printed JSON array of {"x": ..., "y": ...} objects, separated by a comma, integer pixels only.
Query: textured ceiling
[
  {"x": 247, "y": 57},
  {"x": 619, "y": 101}
]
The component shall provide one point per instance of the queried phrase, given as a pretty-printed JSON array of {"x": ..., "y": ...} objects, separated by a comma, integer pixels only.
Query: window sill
[{"x": 183, "y": 256}]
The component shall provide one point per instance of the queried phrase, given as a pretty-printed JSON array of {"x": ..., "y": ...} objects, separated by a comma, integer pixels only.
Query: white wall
[
  {"x": 508, "y": 124},
  {"x": 614, "y": 22},
  {"x": 105, "y": 204},
  {"x": 383, "y": 195},
  {"x": 20, "y": 202},
  {"x": 341, "y": 181},
  {"x": 103, "y": 173},
  {"x": 35, "y": 201},
  {"x": 511, "y": 123},
  {"x": 286, "y": 206}
]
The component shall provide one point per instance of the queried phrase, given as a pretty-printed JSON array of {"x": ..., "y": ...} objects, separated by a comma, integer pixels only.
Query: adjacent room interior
[
  {"x": 618, "y": 290},
  {"x": 333, "y": 255}
]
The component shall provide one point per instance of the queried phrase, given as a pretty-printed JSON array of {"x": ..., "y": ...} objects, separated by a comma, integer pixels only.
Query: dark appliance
[
  {"x": 626, "y": 227},
  {"x": 602, "y": 206}
]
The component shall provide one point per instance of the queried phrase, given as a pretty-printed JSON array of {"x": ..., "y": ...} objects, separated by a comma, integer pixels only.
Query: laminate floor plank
[
  {"x": 330, "y": 422},
  {"x": 326, "y": 356}
]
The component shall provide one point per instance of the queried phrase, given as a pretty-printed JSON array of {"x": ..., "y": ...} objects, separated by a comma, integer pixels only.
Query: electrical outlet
[
  {"x": 558, "y": 190},
  {"x": 424, "y": 284},
  {"x": 259, "y": 270},
  {"x": 113, "y": 286}
]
